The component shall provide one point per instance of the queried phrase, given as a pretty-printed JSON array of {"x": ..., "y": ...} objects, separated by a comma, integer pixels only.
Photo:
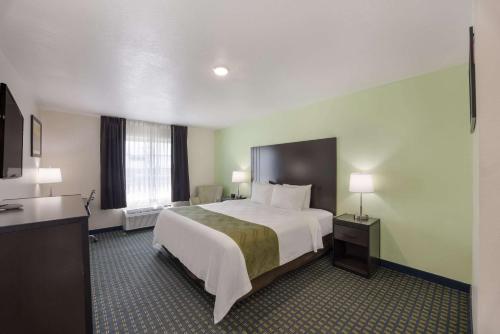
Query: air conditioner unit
[{"x": 134, "y": 219}]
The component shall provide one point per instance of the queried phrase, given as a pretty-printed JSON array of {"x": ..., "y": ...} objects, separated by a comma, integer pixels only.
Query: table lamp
[
  {"x": 238, "y": 177},
  {"x": 361, "y": 183},
  {"x": 49, "y": 176}
]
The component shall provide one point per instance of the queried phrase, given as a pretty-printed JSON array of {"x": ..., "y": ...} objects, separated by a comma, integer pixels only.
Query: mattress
[
  {"x": 215, "y": 258},
  {"x": 325, "y": 219}
]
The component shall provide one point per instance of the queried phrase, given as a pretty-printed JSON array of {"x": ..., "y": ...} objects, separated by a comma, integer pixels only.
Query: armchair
[{"x": 206, "y": 194}]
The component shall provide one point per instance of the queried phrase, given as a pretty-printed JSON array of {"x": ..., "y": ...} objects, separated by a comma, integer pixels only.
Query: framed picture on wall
[
  {"x": 472, "y": 81},
  {"x": 36, "y": 137}
]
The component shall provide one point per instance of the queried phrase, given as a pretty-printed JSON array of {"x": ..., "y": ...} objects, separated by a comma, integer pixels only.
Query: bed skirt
[{"x": 267, "y": 278}]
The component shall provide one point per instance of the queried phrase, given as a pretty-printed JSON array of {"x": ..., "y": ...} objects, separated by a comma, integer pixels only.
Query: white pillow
[
  {"x": 288, "y": 197},
  {"x": 307, "y": 198},
  {"x": 262, "y": 193}
]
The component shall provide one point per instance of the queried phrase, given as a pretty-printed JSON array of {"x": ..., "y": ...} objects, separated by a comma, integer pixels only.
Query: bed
[{"x": 215, "y": 260}]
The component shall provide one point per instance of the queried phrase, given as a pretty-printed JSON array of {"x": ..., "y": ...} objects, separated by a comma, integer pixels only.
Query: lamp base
[{"x": 362, "y": 217}]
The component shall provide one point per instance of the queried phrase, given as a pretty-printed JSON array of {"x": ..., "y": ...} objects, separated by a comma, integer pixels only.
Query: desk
[{"x": 44, "y": 266}]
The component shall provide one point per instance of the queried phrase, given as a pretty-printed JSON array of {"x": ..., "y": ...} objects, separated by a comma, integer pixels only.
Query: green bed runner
[{"x": 258, "y": 243}]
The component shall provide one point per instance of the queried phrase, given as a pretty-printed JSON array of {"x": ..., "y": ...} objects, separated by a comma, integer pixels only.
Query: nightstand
[{"x": 356, "y": 244}]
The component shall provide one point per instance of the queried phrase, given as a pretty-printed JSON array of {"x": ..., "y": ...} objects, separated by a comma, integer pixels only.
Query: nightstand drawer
[{"x": 352, "y": 235}]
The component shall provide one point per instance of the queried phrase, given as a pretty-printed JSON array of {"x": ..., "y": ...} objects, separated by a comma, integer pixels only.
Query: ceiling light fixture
[{"x": 220, "y": 71}]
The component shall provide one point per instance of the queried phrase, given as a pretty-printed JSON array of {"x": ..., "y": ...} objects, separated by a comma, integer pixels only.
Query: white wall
[
  {"x": 71, "y": 142},
  {"x": 486, "y": 285},
  {"x": 201, "y": 157},
  {"x": 24, "y": 186}
]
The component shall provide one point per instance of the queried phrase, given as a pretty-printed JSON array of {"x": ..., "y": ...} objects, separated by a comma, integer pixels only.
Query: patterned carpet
[{"x": 138, "y": 289}]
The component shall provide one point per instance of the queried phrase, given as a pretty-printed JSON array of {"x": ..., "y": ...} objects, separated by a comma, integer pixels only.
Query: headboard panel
[{"x": 306, "y": 162}]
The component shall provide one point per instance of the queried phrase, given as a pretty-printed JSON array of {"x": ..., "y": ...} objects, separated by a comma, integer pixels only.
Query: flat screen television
[{"x": 11, "y": 135}]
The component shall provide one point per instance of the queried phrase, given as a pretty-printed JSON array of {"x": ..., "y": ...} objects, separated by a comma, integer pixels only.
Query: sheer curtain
[{"x": 148, "y": 152}]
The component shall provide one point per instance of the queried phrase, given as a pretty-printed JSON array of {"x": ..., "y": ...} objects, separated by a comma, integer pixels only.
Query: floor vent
[{"x": 134, "y": 219}]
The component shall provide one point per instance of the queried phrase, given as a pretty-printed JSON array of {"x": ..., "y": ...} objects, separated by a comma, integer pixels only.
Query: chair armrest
[{"x": 194, "y": 200}]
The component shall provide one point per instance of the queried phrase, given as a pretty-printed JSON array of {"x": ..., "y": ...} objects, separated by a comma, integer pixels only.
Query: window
[{"x": 147, "y": 163}]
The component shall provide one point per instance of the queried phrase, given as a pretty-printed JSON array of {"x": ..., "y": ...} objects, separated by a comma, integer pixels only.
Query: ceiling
[{"x": 152, "y": 59}]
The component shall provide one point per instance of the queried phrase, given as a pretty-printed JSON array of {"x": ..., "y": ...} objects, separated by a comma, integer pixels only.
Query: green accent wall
[{"x": 413, "y": 136}]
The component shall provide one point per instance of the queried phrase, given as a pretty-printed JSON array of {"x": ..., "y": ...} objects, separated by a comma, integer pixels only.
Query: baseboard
[
  {"x": 107, "y": 229},
  {"x": 426, "y": 276}
]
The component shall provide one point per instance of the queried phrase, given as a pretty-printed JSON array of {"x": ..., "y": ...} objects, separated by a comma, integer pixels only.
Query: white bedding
[
  {"x": 216, "y": 259},
  {"x": 325, "y": 219}
]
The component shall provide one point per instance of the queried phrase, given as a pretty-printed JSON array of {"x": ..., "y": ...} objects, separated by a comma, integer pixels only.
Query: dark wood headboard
[{"x": 306, "y": 162}]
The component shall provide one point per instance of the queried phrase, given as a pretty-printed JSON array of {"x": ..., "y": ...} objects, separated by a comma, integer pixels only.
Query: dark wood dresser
[{"x": 44, "y": 267}]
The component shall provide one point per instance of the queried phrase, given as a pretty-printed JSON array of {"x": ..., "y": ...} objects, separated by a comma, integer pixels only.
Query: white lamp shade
[
  {"x": 49, "y": 175},
  {"x": 361, "y": 183},
  {"x": 238, "y": 177}
]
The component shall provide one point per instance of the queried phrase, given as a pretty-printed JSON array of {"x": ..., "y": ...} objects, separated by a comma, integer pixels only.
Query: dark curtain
[
  {"x": 113, "y": 192},
  {"x": 180, "y": 173}
]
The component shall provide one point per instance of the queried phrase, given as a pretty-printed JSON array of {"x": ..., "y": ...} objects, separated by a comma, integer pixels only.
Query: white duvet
[{"x": 216, "y": 258}]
